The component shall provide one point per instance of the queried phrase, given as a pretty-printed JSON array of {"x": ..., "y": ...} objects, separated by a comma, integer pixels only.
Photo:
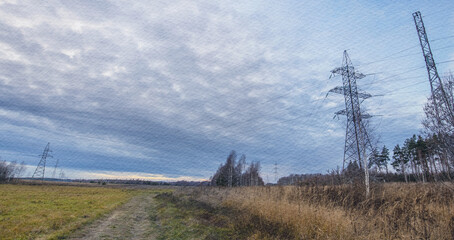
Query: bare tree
[
  {"x": 442, "y": 124},
  {"x": 8, "y": 171}
]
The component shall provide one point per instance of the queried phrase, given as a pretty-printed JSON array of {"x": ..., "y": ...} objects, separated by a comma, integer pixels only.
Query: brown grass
[{"x": 393, "y": 211}]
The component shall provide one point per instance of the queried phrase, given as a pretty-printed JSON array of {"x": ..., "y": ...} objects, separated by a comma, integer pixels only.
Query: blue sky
[{"x": 164, "y": 90}]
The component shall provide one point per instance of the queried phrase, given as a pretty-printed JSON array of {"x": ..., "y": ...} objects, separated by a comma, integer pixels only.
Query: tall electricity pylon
[
  {"x": 41, "y": 168},
  {"x": 439, "y": 96},
  {"x": 356, "y": 136}
]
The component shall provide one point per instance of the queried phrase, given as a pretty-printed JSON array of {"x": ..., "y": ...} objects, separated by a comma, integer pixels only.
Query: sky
[{"x": 164, "y": 90}]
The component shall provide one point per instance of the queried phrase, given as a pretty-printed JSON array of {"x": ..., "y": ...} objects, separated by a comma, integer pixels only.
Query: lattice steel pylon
[
  {"x": 356, "y": 136},
  {"x": 41, "y": 168},
  {"x": 439, "y": 96},
  {"x": 55, "y": 168}
]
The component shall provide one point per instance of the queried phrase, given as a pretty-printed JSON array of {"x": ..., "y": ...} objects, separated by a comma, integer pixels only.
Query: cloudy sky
[{"x": 164, "y": 90}]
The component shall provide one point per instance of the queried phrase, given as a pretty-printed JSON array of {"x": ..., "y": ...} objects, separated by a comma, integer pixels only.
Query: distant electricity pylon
[
  {"x": 439, "y": 97},
  {"x": 62, "y": 174},
  {"x": 55, "y": 168},
  {"x": 41, "y": 168},
  {"x": 275, "y": 171},
  {"x": 355, "y": 136}
]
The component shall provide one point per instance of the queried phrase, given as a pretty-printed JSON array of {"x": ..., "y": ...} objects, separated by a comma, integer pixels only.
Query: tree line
[
  {"x": 418, "y": 159},
  {"x": 235, "y": 173},
  {"x": 439, "y": 131},
  {"x": 429, "y": 157},
  {"x": 422, "y": 159}
]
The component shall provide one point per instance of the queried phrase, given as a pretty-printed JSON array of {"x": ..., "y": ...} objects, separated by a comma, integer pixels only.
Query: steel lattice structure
[
  {"x": 356, "y": 137},
  {"x": 439, "y": 97},
  {"x": 41, "y": 168}
]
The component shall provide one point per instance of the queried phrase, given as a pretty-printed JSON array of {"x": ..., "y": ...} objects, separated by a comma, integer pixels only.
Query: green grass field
[
  {"x": 180, "y": 218},
  {"x": 49, "y": 212}
]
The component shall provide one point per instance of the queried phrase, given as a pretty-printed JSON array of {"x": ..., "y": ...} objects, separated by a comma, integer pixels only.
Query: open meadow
[
  {"x": 52, "y": 211},
  {"x": 392, "y": 211}
]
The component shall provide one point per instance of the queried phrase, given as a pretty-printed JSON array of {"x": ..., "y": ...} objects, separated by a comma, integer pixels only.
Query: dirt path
[{"x": 130, "y": 221}]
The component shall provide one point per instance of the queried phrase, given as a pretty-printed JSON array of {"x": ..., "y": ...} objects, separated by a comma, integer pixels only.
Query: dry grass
[
  {"x": 49, "y": 211},
  {"x": 393, "y": 211},
  {"x": 266, "y": 213}
]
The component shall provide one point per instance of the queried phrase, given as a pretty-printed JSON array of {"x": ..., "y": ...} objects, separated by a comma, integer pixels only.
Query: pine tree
[
  {"x": 400, "y": 161},
  {"x": 374, "y": 159},
  {"x": 384, "y": 158}
]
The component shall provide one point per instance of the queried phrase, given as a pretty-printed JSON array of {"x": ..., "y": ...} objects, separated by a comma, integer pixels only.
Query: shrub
[{"x": 8, "y": 171}]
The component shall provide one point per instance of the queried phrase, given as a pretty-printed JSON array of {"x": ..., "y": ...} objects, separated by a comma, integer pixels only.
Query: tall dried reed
[{"x": 393, "y": 211}]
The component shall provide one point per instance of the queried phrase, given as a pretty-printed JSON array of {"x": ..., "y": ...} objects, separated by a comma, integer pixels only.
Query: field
[
  {"x": 50, "y": 211},
  {"x": 393, "y": 211}
]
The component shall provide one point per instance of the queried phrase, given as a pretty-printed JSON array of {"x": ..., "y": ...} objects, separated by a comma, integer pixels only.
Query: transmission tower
[
  {"x": 55, "y": 168},
  {"x": 41, "y": 168},
  {"x": 275, "y": 171},
  {"x": 439, "y": 97},
  {"x": 62, "y": 174},
  {"x": 356, "y": 136}
]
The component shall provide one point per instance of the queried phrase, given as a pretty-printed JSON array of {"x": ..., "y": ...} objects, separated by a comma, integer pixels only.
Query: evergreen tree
[
  {"x": 399, "y": 161},
  {"x": 421, "y": 153},
  {"x": 374, "y": 159},
  {"x": 384, "y": 158}
]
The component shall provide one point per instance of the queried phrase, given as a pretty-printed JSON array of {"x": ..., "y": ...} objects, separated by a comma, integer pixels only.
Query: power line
[
  {"x": 402, "y": 114},
  {"x": 291, "y": 91},
  {"x": 402, "y": 56},
  {"x": 448, "y": 61},
  {"x": 391, "y": 56},
  {"x": 399, "y": 93},
  {"x": 399, "y": 106},
  {"x": 282, "y": 121},
  {"x": 412, "y": 69},
  {"x": 442, "y": 38},
  {"x": 387, "y": 57},
  {"x": 293, "y": 119},
  {"x": 261, "y": 103},
  {"x": 407, "y": 86},
  {"x": 444, "y": 9},
  {"x": 393, "y": 78}
]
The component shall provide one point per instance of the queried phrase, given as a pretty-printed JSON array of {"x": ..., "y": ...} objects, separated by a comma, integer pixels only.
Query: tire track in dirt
[{"x": 130, "y": 221}]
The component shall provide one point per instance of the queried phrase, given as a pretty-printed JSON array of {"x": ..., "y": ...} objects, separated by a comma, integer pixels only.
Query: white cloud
[{"x": 118, "y": 78}]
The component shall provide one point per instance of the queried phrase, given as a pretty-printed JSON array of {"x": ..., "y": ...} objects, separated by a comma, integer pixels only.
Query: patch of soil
[{"x": 130, "y": 221}]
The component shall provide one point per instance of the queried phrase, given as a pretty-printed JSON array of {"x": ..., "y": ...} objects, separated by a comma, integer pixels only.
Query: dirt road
[{"x": 130, "y": 221}]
